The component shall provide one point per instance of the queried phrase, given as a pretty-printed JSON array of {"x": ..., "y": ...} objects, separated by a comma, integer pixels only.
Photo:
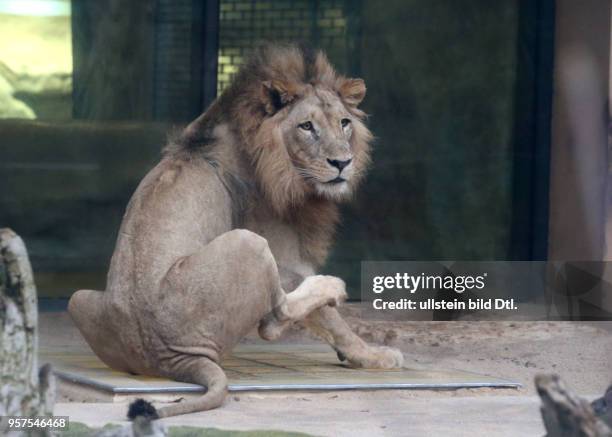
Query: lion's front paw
[
  {"x": 379, "y": 357},
  {"x": 331, "y": 288}
]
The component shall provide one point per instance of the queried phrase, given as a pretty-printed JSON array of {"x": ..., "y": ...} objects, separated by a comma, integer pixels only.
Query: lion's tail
[{"x": 206, "y": 373}]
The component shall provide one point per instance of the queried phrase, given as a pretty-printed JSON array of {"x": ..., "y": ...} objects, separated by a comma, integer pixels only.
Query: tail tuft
[{"x": 142, "y": 408}]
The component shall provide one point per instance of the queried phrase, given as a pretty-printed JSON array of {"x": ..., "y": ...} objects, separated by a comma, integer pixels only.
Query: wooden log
[
  {"x": 24, "y": 390},
  {"x": 565, "y": 414}
]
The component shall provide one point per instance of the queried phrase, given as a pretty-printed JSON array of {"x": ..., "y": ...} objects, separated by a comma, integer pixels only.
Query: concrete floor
[
  {"x": 580, "y": 353},
  {"x": 349, "y": 414}
]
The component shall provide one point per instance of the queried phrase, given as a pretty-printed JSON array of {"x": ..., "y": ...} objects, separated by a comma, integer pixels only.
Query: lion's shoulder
[{"x": 177, "y": 191}]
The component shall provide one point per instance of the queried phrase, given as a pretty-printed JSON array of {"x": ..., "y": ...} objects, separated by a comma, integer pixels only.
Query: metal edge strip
[{"x": 282, "y": 387}]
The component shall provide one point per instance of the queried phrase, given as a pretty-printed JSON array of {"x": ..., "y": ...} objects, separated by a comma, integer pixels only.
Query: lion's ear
[
  {"x": 352, "y": 91},
  {"x": 276, "y": 94}
]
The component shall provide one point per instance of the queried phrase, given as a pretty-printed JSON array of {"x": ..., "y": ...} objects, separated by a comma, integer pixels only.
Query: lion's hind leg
[{"x": 86, "y": 308}]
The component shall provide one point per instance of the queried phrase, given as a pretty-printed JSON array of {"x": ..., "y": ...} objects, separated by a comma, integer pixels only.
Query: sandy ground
[{"x": 581, "y": 353}]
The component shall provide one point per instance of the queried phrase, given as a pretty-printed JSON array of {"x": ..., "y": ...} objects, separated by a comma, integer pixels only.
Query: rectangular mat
[{"x": 267, "y": 367}]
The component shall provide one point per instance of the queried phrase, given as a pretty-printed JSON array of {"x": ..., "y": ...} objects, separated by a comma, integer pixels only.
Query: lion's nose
[{"x": 339, "y": 164}]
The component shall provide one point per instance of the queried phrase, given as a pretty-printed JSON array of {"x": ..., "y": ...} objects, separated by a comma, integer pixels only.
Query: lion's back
[{"x": 177, "y": 208}]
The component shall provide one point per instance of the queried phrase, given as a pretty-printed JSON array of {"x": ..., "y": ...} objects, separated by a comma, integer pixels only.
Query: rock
[
  {"x": 603, "y": 407},
  {"x": 565, "y": 414},
  {"x": 10, "y": 107},
  {"x": 24, "y": 390}
]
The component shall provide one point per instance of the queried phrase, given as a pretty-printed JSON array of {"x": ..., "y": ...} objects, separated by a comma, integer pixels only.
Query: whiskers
[
  {"x": 319, "y": 174},
  {"x": 305, "y": 173}
]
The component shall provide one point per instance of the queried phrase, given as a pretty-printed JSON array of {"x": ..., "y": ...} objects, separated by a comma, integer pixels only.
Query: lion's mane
[{"x": 244, "y": 108}]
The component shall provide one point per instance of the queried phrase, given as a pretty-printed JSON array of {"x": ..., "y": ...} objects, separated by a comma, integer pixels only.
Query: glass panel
[
  {"x": 244, "y": 23},
  {"x": 441, "y": 94},
  {"x": 441, "y": 84},
  {"x": 111, "y": 79}
]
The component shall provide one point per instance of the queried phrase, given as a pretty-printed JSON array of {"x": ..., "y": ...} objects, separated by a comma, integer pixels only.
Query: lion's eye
[
  {"x": 307, "y": 125},
  {"x": 345, "y": 122}
]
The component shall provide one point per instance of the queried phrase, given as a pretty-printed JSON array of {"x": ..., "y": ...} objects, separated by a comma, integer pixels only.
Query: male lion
[{"x": 241, "y": 209}]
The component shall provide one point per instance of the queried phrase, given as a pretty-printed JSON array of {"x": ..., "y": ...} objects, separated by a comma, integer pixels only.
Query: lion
[{"x": 227, "y": 232}]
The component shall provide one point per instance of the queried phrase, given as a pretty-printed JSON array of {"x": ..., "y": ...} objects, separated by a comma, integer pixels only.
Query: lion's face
[
  {"x": 300, "y": 126},
  {"x": 317, "y": 132},
  {"x": 322, "y": 133}
]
